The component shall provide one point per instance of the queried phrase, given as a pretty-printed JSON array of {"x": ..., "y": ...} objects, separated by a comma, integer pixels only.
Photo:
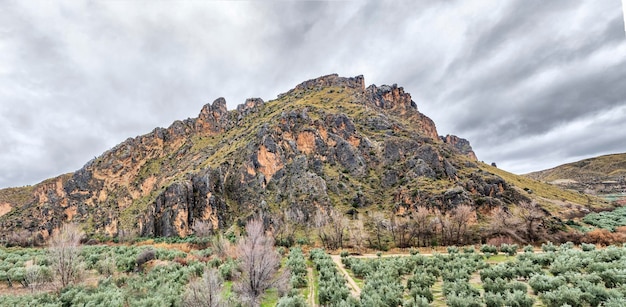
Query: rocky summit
[{"x": 329, "y": 142}]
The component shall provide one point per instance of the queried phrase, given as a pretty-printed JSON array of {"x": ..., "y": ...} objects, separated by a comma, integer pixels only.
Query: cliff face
[{"x": 330, "y": 141}]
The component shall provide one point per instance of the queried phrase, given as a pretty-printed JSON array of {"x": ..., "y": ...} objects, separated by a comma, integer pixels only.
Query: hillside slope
[
  {"x": 329, "y": 142},
  {"x": 603, "y": 176}
]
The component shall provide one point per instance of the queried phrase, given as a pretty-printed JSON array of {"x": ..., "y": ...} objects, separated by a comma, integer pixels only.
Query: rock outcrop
[
  {"x": 461, "y": 145},
  {"x": 329, "y": 142}
]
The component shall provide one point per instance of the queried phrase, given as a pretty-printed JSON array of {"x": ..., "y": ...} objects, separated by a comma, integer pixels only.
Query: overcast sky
[{"x": 531, "y": 84}]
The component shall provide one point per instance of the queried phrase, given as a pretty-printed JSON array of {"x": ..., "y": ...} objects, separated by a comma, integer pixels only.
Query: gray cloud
[{"x": 530, "y": 83}]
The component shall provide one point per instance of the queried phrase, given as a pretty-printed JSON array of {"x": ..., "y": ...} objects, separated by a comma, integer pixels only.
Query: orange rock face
[
  {"x": 269, "y": 162},
  {"x": 306, "y": 142}
]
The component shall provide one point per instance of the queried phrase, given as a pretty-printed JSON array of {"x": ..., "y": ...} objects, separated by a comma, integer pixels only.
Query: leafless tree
[
  {"x": 284, "y": 226},
  {"x": 331, "y": 228},
  {"x": 205, "y": 291},
  {"x": 259, "y": 264},
  {"x": 422, "y": 224},
  {"x": 443, "y": 225},
  {"x": 532, "y": 219},
  {"x": 221, "y": 246},
  {"x": 504, "y": 224},
  {"x": 404, "y": 230},
  {"x": 379, "y": 225},
  {"x": 64, "y": 250},
  {"x": 462, "y": 218},
  {"x": 202, "y": 229},
  {"x": 358, "y": 235},
  {"x": 126, "y": 235}
]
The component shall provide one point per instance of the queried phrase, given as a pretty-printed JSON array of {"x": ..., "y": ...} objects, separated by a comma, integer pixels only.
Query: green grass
[
  {"x": 438, "y": 298},
  {"x": 227, "y": 291},
  {"x": 499, "y": 258},
  {"x": 270, "y": 298},
  {"x": 316, "y": 282}
]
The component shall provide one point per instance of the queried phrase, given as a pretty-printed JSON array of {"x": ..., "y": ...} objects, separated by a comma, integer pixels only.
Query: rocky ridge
[{"x": 329, "y": 142}]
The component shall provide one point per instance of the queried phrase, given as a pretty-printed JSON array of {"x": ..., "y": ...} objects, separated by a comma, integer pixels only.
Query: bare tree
[
  {"x": 532, "y": 219},
  {"x": 358, "y": 235},
  {"x": 284, "y": 226},
  {"x": 379, "y": 224},
  {"x": 462, "y": 218},
  {"x": 504, "y": 224},
  {"x": 259, "y": 264},
  {"x": 423, "y": 225},
  {"x": 64, "y": 250},
  {"x": 206, "y": 291},
  {"x": 202, "y": 229},
  {"x": 443, "y": 225},
  {"x": 221, "y": 246},
  {"x": 331, "y": 228}
]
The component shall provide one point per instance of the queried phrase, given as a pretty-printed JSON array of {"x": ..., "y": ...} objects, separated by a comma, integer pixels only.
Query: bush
[
  {"x": 297, "y": 265},
  {"x": 571, "y": 296},
  {"x": 463, "y": 300},
  {"x": 542, "y": 283},
  {"x": 292, "y": 301},
  {"x": 548, "y": 247},
  {"x": 332, "y": 289},
  {"x": 469, "y": 250},
  {"x": 491, "y": 249},
  {"x": 453, "y": 250},
  {"x": 227, "y": 269},
  {"x": 587, "y": 247},
  {"x": 417, "y": 302}
]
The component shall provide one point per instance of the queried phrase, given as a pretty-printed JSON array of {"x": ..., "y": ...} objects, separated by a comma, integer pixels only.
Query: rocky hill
[
  {"x": 604, "y": 176},
  {"x": 329, "y": 142}
]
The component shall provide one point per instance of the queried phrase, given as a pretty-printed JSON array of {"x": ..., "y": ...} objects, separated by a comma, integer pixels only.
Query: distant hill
[
  {"x": 330, "y": 142},
  {"x": 603, "y": 176}
]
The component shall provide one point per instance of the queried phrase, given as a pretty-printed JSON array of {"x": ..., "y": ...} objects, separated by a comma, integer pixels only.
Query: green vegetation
[
  {"x": 561, "y": 275},
  {"x": 332, "y": 289},
  {"x": 607, "y": 220}
]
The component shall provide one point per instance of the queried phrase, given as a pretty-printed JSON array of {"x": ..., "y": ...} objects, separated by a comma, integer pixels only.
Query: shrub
[
  {"x": 548, "y": 247},
  {"x": 417, "y": 302},
  {"x": 469, "y": 250},
  {"x": 227, "y": 269},
  {"x": 297, "y": 266},
  {"x": 615, "y": 302},
  {"x": 542, "y": 283},
  {"x": 491, "y": 249},
  {"x": 463, "y": 300},
  {"x": 588, "y": 247},
  {"x": 571, "y": 296},
  {"x": 518, "y": 298},
  {"x": 292, "y": 301},
  {"x": 453, "y": 250},
  {"x": 509, "y": 249}
]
